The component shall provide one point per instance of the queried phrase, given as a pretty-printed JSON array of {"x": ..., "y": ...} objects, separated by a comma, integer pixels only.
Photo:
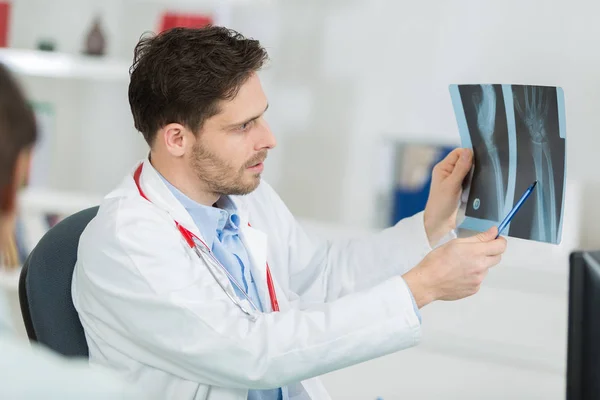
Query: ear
[
  {"x": 19, "y": 177},
  {"x": 177, "y": 139}
]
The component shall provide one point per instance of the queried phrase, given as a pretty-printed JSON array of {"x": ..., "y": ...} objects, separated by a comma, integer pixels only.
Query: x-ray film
[{"x": 518, "y": 135}]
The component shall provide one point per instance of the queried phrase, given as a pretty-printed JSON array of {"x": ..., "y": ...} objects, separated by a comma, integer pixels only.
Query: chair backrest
[{"x": 45, "y": 288}]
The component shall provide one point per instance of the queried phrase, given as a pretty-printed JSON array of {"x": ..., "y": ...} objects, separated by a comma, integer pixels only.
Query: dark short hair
[
  {"x": 180, "y": 75},
  {"x": 18, "y": 130}
]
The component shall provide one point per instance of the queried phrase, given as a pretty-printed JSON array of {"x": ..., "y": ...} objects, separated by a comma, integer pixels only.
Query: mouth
[
  {"x": 257, "y": 168},
  {"x": 257, "y": 165}
]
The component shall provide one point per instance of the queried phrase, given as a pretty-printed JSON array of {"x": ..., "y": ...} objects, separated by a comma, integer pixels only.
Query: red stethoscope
[{"x": 191, "y": 240}]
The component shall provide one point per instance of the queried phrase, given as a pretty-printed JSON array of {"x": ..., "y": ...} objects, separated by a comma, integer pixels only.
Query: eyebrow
[{"x": 248, "y": 120}]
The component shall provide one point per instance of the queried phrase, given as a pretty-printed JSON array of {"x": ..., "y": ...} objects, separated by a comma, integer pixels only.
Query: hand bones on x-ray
[
  {"x": 534, "y": 113},
  {"x": 485, "y": 105}
]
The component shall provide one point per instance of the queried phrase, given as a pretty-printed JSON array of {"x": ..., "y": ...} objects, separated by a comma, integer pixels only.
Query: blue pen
[{"x": 514, "y": 210}]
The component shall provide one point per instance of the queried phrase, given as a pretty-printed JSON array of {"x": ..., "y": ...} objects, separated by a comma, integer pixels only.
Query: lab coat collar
[
  {"x": 160, "y": 195},
  {"x": 254, "y": 240},
  {"x": 158, "y": 192}
]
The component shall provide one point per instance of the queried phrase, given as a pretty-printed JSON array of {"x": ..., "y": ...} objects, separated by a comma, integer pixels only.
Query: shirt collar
[{"x": 210, "y": 220}]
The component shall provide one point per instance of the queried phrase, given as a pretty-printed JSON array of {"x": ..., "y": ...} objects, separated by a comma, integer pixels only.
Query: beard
[{"x": 223, "y": 178}]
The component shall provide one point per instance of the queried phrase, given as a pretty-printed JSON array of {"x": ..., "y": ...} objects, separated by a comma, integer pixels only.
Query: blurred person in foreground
[
  {"x": 30, "y": 371},
  {"x": 195, "y": 281}
]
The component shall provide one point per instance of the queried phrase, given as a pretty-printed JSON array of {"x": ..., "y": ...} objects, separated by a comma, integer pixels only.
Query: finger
[
  {"x": 462, "y": 166},
  {"x": 449, "y": 162},
  {"x": 451, "y": 159},
  {"x": 492, "y": 248},
  {"x": 492, "y": 261},
  {"x": 483, "y": 237}
]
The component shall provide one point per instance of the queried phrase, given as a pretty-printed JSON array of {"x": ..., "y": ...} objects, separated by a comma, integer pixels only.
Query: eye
[{"x": 245, "y": 127}]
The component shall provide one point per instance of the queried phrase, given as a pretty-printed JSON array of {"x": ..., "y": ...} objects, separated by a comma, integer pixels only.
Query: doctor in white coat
[{"x": 195, "y": 281}]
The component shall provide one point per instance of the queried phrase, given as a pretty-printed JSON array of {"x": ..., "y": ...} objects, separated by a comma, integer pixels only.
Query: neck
[{"x": 185, "y": 180}]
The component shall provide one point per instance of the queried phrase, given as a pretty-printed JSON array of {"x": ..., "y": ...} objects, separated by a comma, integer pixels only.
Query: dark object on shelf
[
  {"x": 46, "y": 45},
  {"x": 95, "y": 42}
]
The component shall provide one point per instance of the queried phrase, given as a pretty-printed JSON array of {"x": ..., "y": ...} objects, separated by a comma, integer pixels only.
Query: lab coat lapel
[{"x": 255, "y": 242}]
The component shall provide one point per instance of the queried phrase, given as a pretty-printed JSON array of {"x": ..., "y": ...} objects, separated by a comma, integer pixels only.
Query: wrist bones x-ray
[
  {"x": 485, "y": 104},
  {"x": 534, "y": 113},
  {"x": 517, "y": 133}
]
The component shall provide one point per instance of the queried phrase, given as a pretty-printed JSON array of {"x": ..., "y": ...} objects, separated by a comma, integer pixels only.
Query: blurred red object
[
  {"x": 4, "y": 22},
  {"x": 180, "y": 20}
]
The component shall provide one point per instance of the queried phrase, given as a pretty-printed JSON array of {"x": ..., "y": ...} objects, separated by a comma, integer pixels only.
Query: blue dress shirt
[{"x": 220, "y": 228}]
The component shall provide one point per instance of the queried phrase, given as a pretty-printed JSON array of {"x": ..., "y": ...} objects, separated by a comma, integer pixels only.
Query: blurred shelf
[
  {"x": 200, "y": 3},
  {"x": 36, "y": 200},
  {"x": 67, "y": 66},
  {"x": 219, "y": 8},
  {"x": 422, "y": 138}
]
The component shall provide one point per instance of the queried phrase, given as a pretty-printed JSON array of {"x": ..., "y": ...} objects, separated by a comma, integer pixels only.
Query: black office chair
[{"x": 45, "y": 288}]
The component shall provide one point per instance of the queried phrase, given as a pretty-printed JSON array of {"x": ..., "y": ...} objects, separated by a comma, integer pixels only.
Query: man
[
  {"x": 196, "y": 282},
  {"x": 28, "y": 372}
]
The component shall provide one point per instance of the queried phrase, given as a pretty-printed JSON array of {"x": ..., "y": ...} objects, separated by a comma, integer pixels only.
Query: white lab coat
[{"x": 152, "y": 311}]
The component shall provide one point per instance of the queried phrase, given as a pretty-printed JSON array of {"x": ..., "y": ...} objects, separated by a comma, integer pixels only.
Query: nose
[{"x": 266, "y": 138}]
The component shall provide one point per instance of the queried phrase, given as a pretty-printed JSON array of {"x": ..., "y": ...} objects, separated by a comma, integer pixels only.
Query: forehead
[{"x": 249, "y": 102}]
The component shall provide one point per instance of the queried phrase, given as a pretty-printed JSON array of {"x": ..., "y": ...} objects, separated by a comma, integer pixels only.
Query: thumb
[
  {"x": 463, "y": 166},
  {"x": 486, "y": 236}
]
